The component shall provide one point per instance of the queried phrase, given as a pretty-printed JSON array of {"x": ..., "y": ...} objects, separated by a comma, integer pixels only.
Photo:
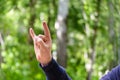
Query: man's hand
[{"x": 42, "y": 45}]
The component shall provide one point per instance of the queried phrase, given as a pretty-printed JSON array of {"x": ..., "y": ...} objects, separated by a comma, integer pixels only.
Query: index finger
[
  {"x": 46, "y": 30},
  {"x": 32, "y": 34}
]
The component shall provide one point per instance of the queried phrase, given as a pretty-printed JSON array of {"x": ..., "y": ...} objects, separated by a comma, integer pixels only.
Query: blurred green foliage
[{"x": 19, "y": 62}]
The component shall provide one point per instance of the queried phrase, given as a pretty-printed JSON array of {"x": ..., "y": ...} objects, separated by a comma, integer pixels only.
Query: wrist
[{"x": 46, "y": 63}]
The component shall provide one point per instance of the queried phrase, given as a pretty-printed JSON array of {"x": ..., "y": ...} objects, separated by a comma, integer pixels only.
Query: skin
[{"x": 42, "y": 45}]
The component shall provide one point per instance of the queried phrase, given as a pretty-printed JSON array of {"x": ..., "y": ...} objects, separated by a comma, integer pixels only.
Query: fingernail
[
  {"x": 30, "y": 29},
  {"x": 43, "y": 23},
  {"x": 39, "y": 40}
]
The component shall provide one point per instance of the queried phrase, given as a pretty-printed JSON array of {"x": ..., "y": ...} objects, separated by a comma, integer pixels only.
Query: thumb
[{"x": 41, "y": 43}]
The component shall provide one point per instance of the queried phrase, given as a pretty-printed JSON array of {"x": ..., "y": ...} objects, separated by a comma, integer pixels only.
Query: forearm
[{"x": 55, "y": 72}]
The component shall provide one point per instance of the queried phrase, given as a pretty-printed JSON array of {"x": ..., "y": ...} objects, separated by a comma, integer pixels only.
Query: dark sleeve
[
  {"x": 55, "y": 72},
  {"x": 114, "y": 74}
]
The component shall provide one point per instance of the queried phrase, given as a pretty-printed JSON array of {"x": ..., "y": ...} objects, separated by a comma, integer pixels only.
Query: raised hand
[{"x": 42, "y": 45}]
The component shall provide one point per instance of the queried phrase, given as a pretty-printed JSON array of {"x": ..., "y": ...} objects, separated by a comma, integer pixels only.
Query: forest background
[{"x": 85, "y": 36}]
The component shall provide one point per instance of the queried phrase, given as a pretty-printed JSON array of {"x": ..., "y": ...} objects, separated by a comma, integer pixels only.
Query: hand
[{"x": 42, "y": 45}]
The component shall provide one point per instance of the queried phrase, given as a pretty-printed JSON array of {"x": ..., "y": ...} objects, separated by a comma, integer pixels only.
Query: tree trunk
[
  {"x": 93, "y": 40},
  {"x": 61, "y": 30},
  {"x": 112, "y": 33},
  {"x": 32, "y": 17},
  {"x": 1, "y": 48},
  {"x": 51, "y": 15},
  {"x": 118, "y": 49},
  {"x": 31, "y": 22}
]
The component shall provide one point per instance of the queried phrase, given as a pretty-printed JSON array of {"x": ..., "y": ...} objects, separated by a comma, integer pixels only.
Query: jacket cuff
[{"x": 51, "y": 65}]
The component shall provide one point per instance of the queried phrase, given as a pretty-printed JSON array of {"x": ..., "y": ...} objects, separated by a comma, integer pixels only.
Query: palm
[{"x": 42, "y": 45}]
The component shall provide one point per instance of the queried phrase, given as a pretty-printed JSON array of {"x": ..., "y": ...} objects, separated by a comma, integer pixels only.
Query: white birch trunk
[{"x": 61, "y": 30}]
